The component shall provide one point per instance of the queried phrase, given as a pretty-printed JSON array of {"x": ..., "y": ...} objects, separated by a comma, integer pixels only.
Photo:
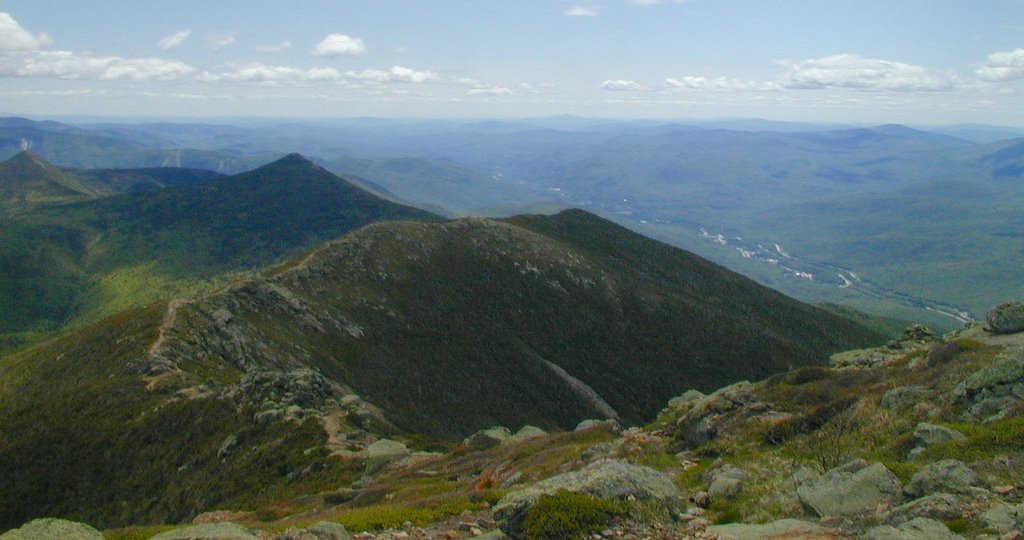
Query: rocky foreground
[{"x": 922, "y": 439}]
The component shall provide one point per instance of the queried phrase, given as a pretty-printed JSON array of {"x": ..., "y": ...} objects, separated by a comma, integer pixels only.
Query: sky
[{"x": 907, "y": 61}]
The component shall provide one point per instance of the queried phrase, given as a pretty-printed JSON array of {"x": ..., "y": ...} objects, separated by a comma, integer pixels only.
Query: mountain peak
[{"x": 27, "y": 180}]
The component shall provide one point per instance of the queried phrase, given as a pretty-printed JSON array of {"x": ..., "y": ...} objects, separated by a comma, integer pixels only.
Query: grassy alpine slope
[{"x": 161, "y": 412}]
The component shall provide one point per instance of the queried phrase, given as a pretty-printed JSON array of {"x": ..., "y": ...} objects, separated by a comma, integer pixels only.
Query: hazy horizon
[{"x": 910, "y": 62}]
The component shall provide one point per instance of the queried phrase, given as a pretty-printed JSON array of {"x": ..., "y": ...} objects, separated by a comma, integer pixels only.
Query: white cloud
[
  {"x": 277, "y": 47},
  {"x": 339, "y": 45},
  {"x": 488, "y": 90},
  {"x": 262, "y": 73},
  {"x": 217, "y": 42},
  {"x": 717, "y": 83},
  {"x": 395, "y": 74},
  {"x": 857, "y": 72},
  {"x": 174, "y": 40},
  {"x": 70, "y": 65},
  {"x": 621, "y": 85},
  {"x": 1002, "y": 66},
  {"x": 580, "y": 11},
  {"x": 15, "y": 38}
]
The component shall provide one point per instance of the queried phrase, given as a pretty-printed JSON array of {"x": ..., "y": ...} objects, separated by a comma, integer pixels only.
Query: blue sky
[{"x": 911, "y": 61}]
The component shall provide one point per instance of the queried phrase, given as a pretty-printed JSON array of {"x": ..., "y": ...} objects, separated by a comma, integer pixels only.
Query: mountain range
[
  {"x": 84, "y": 256},
  {"x": 871, "y": 217}
]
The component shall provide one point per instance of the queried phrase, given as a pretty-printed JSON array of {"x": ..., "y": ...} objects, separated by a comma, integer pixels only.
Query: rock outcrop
[
  {"x": 604, "y": 480},
  {"x": 1006, "y": 318},
  {"x": 946, "y": 476},
  {"x": 209, "y": 531},
  {"x": 854, "y": 488},
  {"x": 991, "y": 390},
  {"x": 51, "y": 529},
  {"x": 915, "y": 529}
]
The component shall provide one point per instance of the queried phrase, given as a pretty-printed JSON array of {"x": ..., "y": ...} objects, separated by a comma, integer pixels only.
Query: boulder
[
  {"x": 382, "y": 453},
  {"x": 700, "y": 423},
  {"x": 487, "y": 438},
  {"x": 995, "y": 387},
  {"x": 843, "y": 492},
  {"x": 783, "y": 528},
  {"x": 915, "y": 529},
  {"x": 726, "y": 483},
  {"x": 591, "y": 423},
  {"x": 52, "y": 528},
  {"x": 939, "y": 506},
  {"x": 686, "y": 398},
  {"x": 209, "y": 531},
  {"x": 946, "y": 476},
  {"x": 328, "y": 530},
  {"x": 528, "y": 432},
  {"x": 917, "y": 332},
  {"x": 1004, "y": 518},
  {"x": 1006, "y": 318},
  {"x": 929, "y": 434},
  {"x": 604, "y": 480}
]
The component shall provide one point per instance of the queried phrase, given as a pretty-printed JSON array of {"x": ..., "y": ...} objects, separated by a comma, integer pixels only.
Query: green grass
[
  {"x": 566, "y": 515},
  {"x": 983, "y": 441}
]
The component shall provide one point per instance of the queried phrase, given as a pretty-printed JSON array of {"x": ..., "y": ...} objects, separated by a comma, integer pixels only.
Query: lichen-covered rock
[
  {"x": 209, "y": 531},
  {"x": 701, "y": 420},
  {"x": 328, "y": 530},
  {"x": 487, "y": 438},
  {"x": 783, "y": 528},
  {"x": 604, "y": 480},
  {"x": 843, "y": 492},
  {"x": 1006, "y": 318},
  {"x": 995, "y": 387},
  {"x": 51, "y": 529},
  {"x": 940, "y": 506},
  {"x": 382, "y": 453},
  {"x": 1004, "y": 518},
  {"x": 915, "y": 529},
  {"x": 946, "y": 476},
  {"x": 726, "y": 483},
  {"x": 929, "y": 434}
]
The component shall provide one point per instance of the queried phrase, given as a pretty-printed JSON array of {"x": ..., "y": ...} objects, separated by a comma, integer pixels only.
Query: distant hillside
[
  {"x": 119, "y": 181},
  {"x": 436, "y": 328},
  {"x": 27, "y": 181},
  {"x": 95, "y": 257}
]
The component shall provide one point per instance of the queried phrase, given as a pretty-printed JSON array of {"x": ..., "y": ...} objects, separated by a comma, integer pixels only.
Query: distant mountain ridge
[
  {"x": 435, "y": 328},
  {"x": 93, "y": 257},
  {"x": 27, "y": 181}
]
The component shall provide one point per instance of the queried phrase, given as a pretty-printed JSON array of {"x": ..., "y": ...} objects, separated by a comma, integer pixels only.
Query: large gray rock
[
  {"x": 995, "y": 387},
  {"x": 915, "y": 529},
  {"x": 726, "y": 483},
  {"x": 929, "y": 434},
  {"x": 604, "y": 480},
  {"x": 527, "y": 432},
  {"x": 700, "y": 423},
  {"x": 785, "y": 528},
  {"x": 382, "y": 453},
  {"x": 487, "y": 438},
  {"x": 844, "y": 492},
  {"x": 1004, "y": 518},
  {"x": 946, "y": 476},
  {"x": 52, "y": 529},
  {"x": 1006, "y": 318},
  {"x": 324, "y": 530},
  {"x": 209, "y": 531},
  {"x": 939, "y": 506}
]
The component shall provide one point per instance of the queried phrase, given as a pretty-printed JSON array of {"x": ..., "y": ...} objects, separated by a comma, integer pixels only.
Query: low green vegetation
[{"x": 566, "y": 515}]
